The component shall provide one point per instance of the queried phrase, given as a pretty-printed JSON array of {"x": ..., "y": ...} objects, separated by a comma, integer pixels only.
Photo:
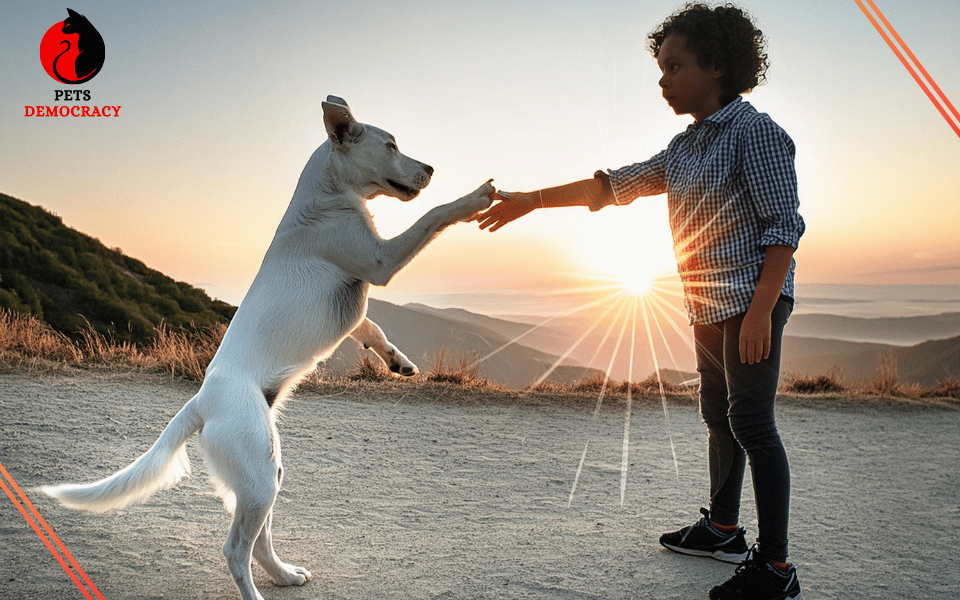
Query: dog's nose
[{"x": 428, "y": 169}]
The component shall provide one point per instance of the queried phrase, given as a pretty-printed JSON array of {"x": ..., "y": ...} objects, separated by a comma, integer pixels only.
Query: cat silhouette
[{"x": 90, "y": 44}]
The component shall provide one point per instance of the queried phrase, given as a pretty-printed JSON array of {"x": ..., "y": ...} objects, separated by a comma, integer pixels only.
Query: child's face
[{"x": 687, "y": 87}]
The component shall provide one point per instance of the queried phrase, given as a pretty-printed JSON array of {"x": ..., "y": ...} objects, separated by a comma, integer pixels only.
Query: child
[{"x": 731, "y": 189}]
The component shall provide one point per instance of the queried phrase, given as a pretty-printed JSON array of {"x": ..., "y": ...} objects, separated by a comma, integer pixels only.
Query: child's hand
[
  {"x": 755, "y": 338},
  {"x": 512, "y": 206}
]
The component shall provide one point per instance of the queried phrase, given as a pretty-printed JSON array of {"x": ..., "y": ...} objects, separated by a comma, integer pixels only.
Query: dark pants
[{"x": 737, "y": 404}]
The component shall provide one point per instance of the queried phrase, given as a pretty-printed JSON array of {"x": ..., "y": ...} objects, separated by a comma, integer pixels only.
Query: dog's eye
[{"x": 393, "y": 146}]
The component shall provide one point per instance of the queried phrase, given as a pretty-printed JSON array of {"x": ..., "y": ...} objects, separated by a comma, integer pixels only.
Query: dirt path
[{"x": 450, "y": 494}]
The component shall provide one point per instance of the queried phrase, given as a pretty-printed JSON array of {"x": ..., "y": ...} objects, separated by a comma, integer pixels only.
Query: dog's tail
[{"x": 162, "y": 466}]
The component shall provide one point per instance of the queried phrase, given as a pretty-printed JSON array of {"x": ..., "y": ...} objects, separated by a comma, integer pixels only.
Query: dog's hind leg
[
  {"x": 242, "y": 451},
  {"x": 370, "y": 336},
  {"x": 252, "y": 511},
  {"x": 280, "y": 572}
]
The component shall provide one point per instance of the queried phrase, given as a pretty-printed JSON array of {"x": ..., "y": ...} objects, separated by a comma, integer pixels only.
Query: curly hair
[{"x": 722, "y": 37}]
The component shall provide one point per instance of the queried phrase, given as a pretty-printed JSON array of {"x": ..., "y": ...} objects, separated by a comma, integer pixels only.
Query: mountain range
[{"x": 925, "y": 363}]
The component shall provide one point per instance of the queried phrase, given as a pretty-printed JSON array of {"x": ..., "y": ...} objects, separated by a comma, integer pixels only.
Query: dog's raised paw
[
  {"x": 475, "y": 202},
  {"x": 406, "y": 369}
]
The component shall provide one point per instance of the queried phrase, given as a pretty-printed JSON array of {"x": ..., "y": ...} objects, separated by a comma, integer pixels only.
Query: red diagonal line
[
  {"x": 36, "y": 528},
  {"x": 906, "y": 63},
  {"x": 906, "y": 48},
  {"x": 43, "y": 538}
]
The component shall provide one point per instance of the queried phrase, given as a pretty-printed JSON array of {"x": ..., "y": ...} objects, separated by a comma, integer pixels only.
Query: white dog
[{"x": 310, "y": 294}]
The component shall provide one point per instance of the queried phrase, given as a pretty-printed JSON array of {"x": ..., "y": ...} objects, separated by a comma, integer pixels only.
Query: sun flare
[
  {"x": 632, "y": 273},
  {"x": 630, "y": 256},
  {"x": 636, "y": 282}
]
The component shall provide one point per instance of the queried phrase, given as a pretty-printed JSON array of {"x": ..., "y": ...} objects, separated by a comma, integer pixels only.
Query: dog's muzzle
[
  {"x": 421, "y": 180},
  {"x": 411, "y": 190}
]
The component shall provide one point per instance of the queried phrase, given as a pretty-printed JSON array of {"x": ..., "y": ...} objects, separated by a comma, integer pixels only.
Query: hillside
[{"x": 66, "y": 279}]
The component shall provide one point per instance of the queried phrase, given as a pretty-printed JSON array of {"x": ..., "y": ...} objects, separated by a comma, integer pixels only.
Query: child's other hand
[
  {"x": 755, "y": 338},
  {"x": 512, "y": 206}
]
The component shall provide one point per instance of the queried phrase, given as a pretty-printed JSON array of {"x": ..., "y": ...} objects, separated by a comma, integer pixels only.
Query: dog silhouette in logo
[{"x": 90, "y": 59}]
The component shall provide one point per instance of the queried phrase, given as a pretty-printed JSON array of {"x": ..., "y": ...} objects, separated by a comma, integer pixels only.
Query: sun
[
  {"x": 636, "y": 281},
  {"x": 623, "y": 274},
  {"x": 628, "y": 251},
  {"x": 625, "y": 265}
]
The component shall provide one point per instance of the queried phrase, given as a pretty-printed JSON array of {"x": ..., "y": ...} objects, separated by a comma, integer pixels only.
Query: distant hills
[
  {"x": 900, "y": 330},
  {"x": 426, "y": 337},
  {"x": 926, "y": 363},
  {"x": 67, "y": 278}
]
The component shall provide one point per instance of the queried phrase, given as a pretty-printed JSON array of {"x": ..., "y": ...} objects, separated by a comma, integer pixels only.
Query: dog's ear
[{"x": 342, "y": 128}]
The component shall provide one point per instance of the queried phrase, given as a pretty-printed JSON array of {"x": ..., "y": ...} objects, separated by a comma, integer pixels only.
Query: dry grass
[
  {"x": 25, "y": 339},
  {"x": 885, "y": 384},
  {"x": 819, "y": 384},
  {"x": 367, "y": 370},
  {"x": 651, "y": 386},
  {"x": 465, "y": 372},
  {"x": 27, "y": 344}
]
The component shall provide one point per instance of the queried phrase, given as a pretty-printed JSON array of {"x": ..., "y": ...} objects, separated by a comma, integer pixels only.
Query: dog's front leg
[
  {"x": 394, "y": 254},
  {"x": 369, "y": 335}
]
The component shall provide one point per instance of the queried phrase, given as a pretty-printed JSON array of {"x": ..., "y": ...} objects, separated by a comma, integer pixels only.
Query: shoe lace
[
  {"x": 751, "y": 562},
  {"x": 704, "y": 520}
]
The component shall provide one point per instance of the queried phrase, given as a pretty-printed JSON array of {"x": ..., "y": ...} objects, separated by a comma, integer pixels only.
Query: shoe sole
[
  {"x": 799, "y": 596},
  {"x": 726, "y": 557}
]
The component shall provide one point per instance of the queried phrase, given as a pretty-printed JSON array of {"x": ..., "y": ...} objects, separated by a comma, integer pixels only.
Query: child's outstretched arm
[{"x": 514, "y": 205}]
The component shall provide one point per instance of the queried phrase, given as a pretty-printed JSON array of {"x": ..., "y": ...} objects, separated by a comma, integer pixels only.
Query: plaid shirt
[{"x": 731, "y": 190}]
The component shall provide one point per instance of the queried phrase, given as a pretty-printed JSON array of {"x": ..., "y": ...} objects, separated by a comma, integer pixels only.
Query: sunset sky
[{"x": 221, "y": 109}]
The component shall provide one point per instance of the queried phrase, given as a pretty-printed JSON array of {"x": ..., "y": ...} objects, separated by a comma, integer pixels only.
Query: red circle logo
[{"x": 72, "y": 51}]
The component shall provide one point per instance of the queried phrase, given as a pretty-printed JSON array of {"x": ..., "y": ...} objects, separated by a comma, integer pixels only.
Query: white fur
[{"x": 310, "y": 293}]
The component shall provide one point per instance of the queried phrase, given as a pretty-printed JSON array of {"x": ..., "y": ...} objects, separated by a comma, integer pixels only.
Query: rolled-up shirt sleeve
[
  {"x": 623, "y": 186},
  {"x": 768, "y": 163}
]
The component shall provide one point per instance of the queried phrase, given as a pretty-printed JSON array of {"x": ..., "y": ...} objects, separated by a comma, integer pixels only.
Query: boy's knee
[
  {"x": 713, "y": 398},
  {"x": 755, "y": 432}
]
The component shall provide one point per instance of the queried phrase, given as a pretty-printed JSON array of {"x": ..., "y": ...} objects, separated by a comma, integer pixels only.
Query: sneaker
[
  {"x": 703, "y": 539},
  {"x": 757, "y": 579}
]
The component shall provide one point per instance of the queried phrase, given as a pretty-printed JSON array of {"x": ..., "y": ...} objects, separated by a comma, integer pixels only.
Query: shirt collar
[
  {"x": 727, "y": 112},
  {"x": 722, "y": 116}
]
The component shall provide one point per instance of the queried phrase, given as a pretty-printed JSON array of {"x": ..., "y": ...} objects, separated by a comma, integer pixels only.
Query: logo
[{"x": 72, "y": 51}]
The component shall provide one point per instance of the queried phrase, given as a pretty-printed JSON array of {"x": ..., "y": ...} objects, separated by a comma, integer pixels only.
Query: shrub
[
  {"x": 466, "y": 373},
  {"x": 948, "y": 388},
  {"x": 887, "y": 381},
  {"x": 367, "y": 370},
  {"x": 820, "y": 384}
]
